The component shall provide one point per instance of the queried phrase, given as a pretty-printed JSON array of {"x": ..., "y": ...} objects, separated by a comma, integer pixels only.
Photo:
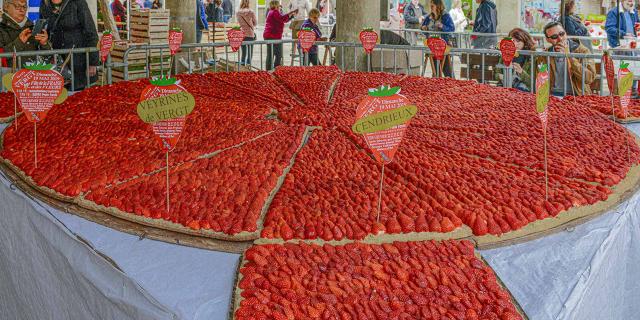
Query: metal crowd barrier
[
  {"x": 58, "y": 57},
  {"x": 347, "y": 56},
  {"x": 463, "y": 39}
]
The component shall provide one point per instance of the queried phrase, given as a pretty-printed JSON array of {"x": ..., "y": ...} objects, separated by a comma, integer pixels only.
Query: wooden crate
[
  {"x": 150, "y": 26},
  {"x": 137, "y": 60}
]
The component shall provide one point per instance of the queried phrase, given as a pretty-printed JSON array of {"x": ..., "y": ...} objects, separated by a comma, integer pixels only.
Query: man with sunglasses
[
  {"x": 15, "y": 29},
  {"x": 566, "y": 74}
]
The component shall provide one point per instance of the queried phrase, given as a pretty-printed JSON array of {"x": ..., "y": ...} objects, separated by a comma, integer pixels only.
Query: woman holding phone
[
  {"x": 17, "y": 31},
  {"x": 70, "y": 25}
]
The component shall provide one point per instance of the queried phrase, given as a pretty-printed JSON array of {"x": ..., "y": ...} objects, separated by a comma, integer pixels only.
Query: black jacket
[
  {"x": 9, "y": 36},
  {"x": 227, "y": 7},
  {"x": 72, "y": 26},
  {"x": 486, "y": 22}
]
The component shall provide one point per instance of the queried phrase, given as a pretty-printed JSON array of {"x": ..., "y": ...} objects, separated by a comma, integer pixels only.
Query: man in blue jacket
[
  {"x": 201, "y": 20},
  {"x": 486, "y": 22},
  {"x": 627, "y": 17}
]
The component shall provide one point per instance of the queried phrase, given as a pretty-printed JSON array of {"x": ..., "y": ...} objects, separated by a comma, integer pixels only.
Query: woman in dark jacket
[
  {"x": 439, "y": 20},
  {"x": 70, "y": 25},
  {"x": 573, "y": 25}
]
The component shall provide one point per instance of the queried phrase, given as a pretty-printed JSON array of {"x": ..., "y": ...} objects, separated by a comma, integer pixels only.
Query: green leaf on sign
[
  {"x": 542, "y": 97},
  {"x": 384, "y": 91},
  {"x": 625, "y": 84}
]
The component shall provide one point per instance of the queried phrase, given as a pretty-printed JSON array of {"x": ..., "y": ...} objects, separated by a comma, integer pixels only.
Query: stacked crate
[
  {"x": 138, "y": 61},
  {"x": 149, "y": 26}
]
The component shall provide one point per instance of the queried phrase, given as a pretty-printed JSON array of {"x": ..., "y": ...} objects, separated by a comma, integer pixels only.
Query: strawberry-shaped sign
[
  {"x": 175, "y": 40},
  {"x": 106, "y": 43},
  {"x": 369, "y": 39},
  {"x": 306, "y": 38},
  {"x": 165, "y": 104},
  {"x": 543, "y": 88},
  {"x": 235, "y": 37},
  {"x": 437, "y": 46},
  {"x": 508, "y": 50},
  {"x": 37, "y": 87},
  {"x": 382, "y": 117},
  {"x": 625, "y": 82},
  {"x": 607, "y": 62}
]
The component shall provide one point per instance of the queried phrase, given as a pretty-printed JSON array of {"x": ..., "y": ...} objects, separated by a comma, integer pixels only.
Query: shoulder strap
[
  {"x": 245, "y": 21},
  {"x": 55, "y": 23}
]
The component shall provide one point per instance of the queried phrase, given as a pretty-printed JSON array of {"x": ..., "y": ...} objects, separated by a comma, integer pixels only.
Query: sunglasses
[{"x": 558, "y": 35}]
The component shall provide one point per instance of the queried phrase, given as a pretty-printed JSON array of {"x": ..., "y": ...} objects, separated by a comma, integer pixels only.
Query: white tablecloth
[{"x": 589, "y": 272}]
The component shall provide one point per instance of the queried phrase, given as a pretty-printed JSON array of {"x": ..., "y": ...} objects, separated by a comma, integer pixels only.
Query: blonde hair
[
  {"x": 244, "y": 4},
  {"x": 274, "y": 4},
  {"x": 314, "y": 13}
]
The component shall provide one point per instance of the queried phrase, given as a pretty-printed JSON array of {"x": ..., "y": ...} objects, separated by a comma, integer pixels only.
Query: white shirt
[
  {"x": 459, "y": 20},
  {"x": 303, "y": 7}
]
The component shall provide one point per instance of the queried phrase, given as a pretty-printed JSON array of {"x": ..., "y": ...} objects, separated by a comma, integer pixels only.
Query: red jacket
[{"x": 274, "y": 24}]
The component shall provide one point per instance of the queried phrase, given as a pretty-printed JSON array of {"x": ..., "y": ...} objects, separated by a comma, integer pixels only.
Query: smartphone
[{"x": 37, "y": 28}]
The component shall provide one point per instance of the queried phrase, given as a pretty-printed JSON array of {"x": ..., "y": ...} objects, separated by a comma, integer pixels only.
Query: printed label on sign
[
  {"x": 609, "y": 71},
  {"x": 508, "y": 51},
  {"x": 625, "y": 83},
  {"x": 306, "y": 38},
  {"x": 382, "y": 117},
  {"x": 438, "y": 47},
  {"x": 166, "y": 106},
  {"x": 37, "y": 87},
  {"x": 175, "y": 40},
  {"x": 235, "y": 37},
  {"x": 106, "y": 43},
  {"x": 542, "y": 94},
  {"x": 369, "y": 39}
]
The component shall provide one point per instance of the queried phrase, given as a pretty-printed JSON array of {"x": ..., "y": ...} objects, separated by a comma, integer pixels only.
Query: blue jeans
[
  {"x": 247, "y": 51},
  {"x": 226, "y": 18},
  {"x": 198, "y": 35}
]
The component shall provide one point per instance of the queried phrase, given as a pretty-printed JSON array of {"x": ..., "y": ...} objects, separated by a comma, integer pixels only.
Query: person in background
[
  {"x": 70, "y": 24},
  {"x": 439, "y": 20},
  {"x": 627, "y": 16},
  {"x": 227, "y": 10},
  {"x": 201, "y": 20},
  {"x": 119, "y": 11},
  {"x": 459, "y": 19},
  {"x": 15, "y": 29},
  {"x": 312, "y": 23},
  {"x": 273, "y": 28},
  {"x": 302, "y": 8},
  {"x": 522, "y": 63},
  {"x": 248, "y": 22},
  {"x": 486, "y": 22},
  {"x": 214, "y": 11},
  {"x": 580, "y": 69},
  {"x": 573, "y": 24},
  {"x": 147, "y": 4},
  {"x": 156, "y": 4},
  {"x": 413, "y": 15}
]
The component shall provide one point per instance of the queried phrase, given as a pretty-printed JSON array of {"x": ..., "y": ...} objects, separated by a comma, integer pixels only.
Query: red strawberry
[
  {"x": 175, "y": 40},
  {"x": 235, "y": 36},
  {"x": 37, "y": 87},
  {"x": 168, "y": 130},
  {"x": 306, "y": 39},
  {"x": 437, "y": 46},
  {"x": 508, "y": 50},
  {"x": 368, "y": 38}
]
